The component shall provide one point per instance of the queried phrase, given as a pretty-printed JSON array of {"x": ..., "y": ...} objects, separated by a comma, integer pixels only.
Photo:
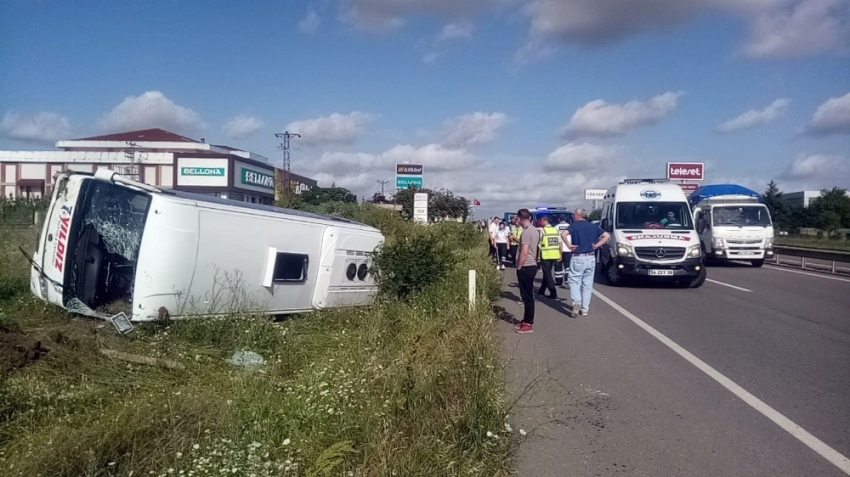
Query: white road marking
[
  {"x": 728, "y": 285},
  {"x": 809, "y": 274},
  {"x": 817, "y": 445}
]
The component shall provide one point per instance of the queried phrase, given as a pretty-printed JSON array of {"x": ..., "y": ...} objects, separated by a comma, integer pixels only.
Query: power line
[
  {"x": 382, "y": 186},
  {"x": 284, "y": 146}
]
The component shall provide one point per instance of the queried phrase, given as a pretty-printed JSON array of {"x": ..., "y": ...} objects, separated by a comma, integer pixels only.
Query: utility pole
[
  {"x": 286, "y": 187},
  {"x": 382, "y": 186},
  {"x": 132, "y": 169}
]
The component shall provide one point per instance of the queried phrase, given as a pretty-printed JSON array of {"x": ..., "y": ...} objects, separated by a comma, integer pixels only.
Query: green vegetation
[
  {"x": 813, "y": 242},
  {"x": 442, "y": 204},
  {"x": 828, "y": 213},
  {"x": 405, "y": 387}
]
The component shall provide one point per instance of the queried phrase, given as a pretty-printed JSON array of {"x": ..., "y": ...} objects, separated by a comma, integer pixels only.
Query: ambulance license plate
[{"x": 663, "y": 273}]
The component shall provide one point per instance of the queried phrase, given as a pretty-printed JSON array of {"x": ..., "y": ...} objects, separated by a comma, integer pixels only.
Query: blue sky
[{"x": 511, "y": 102}]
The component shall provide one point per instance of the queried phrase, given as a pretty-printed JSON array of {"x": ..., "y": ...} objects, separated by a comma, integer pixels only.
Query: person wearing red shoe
[{"x": 526, "y": 269}]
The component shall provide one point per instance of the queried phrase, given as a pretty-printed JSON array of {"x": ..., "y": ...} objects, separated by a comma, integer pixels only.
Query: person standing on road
[
  {"x": 502, "y": 237},
  {"x": 516, "y": 233},
  {"x": 526, "y": 269},
  {"x": 586, "y": 238},
  {"x": 491, "y": 231},
  {"x": 550, "y": 253}
]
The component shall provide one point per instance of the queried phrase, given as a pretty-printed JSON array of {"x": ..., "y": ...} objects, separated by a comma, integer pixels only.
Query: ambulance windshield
[
  {"x": 104, "y": 246},
  {"x": 654, "y": 215}
]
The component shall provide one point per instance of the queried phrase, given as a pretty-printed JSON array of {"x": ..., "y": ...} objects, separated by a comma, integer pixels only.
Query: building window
[
  {"x": 290, "y": 267},
  {"x": 239, "y": 197}
]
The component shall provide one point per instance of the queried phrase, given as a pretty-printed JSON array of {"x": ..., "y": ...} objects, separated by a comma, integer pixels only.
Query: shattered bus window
[{"x": 106, "y": 245}]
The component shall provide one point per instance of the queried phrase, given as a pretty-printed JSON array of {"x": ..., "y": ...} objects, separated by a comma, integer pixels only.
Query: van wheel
[
  {"x": 612, "y": 274},
  {"x": 757, "y": 263},
  {"x": 699, "y": 279}
]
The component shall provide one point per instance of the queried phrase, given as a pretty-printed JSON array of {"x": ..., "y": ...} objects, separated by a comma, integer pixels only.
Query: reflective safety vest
[
  {"x": 550, "y": 243},
  {"x": 516, "y": 232}
]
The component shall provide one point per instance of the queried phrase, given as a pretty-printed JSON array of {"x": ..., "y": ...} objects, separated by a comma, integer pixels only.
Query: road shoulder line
[
  {"x": 823, "y": 449},
  {"x": 728, "y": 285},
  {"x": 780, "y": 269}
]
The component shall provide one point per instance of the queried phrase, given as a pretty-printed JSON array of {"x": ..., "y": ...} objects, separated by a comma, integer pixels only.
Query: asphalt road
[{"x": 599, "y": 395}]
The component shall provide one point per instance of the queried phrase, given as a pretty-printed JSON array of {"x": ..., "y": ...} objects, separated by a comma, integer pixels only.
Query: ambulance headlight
[
  {"x": 694, "y": 251},
  {"x": 625, "y": 250}
]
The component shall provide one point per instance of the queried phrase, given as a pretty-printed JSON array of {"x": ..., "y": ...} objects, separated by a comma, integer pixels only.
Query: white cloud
[
  {"x": 809, "y": 27},
  {"x": 833, "y": 116},
  {"x": 818, "y": 171},
  {"x": 474, "y": 128},
  {"x": 41, "y": 128},
  {"x": 242, "y": 126},
  {"x": 434, "y": 157},
  {"x": 600, "y": 118},
  {"x": 755, "y": 117},
  {"x": 430, "y": 58},
  {"x": 383, "y": 15},
  {"x": 310, "y": 23},
  {"x": 585, "y": 157},
  {"x": 334, "y": 128},
  {"x": 454, "y": 30},
  {"x": 151, "y": 110}
]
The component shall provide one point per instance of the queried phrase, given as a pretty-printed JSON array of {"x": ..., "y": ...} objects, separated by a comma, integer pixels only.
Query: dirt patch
[{"x": 18, "y": 350}]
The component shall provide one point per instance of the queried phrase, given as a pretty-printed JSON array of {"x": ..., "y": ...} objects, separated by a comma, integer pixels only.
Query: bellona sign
[
  {"x": 202, "y": 171},
  {"x": 257, "y": 179}
]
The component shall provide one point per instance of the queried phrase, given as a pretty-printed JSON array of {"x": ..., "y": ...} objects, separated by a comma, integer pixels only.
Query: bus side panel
[{"x": 343, "y": 248}]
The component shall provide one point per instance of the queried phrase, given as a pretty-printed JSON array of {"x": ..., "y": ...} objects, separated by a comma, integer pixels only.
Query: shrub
[{"x": 411, "y": 264}]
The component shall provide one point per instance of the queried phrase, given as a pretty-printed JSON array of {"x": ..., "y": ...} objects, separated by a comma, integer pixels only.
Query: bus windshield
[
  {"x": 654, "y": 215},
  {"x": 104, "y": 246},
  {"x": 749, "y": 215}
]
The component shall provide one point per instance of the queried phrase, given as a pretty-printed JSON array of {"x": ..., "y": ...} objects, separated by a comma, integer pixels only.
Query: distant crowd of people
[{"x": 552, "y": 246}]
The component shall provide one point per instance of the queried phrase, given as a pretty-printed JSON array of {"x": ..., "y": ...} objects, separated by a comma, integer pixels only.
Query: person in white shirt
[
  {"x": 502, "y": 238},
  {"x": 492, "y": 228}
]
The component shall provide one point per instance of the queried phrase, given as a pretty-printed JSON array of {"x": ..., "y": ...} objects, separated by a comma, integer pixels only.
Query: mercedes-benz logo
[{"x": 660, "y": 253}]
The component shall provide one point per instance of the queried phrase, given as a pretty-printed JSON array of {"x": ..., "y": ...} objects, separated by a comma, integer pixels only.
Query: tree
[
  {"x": 779, "y": 210},
  {"x": 831, "y": 211},
  {"x": 321, "y": 195},
  {"x": 442, "y": 204},
  {"x": 596, "y": 214}
]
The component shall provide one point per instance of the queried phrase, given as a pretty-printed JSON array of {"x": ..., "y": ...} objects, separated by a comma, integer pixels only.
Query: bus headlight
[
  {"x": 694, "y": 251},
  {"x": 625, "y": 250}
]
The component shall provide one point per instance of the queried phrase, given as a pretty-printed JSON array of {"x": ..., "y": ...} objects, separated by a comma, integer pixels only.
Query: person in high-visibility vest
[
  {"x": 516, "y": 234},
  {"x": 550, "y": 253}
]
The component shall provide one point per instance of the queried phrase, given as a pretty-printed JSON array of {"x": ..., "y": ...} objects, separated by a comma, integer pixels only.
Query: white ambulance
[
  {"x": 111, "y": 245},
  {"x": 653, "y": 235}
]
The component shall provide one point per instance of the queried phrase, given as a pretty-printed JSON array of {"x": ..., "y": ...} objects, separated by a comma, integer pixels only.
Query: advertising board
[
  {"x": 200, "y": 171},
  {"x": 686, "y": 171},
  {"x": 420, "y": 207},
  {"x": 594, "y": 194},
  {"x": 688, "y": 189}
]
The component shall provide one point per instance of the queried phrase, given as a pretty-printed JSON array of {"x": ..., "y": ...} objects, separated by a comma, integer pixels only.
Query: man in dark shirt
[{"x": 586, "y": 238}]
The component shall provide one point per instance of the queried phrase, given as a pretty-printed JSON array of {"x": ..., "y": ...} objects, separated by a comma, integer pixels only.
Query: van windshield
[
  {"x": 739, "y": 216},
  {"x": 104, "y": 246},
  {"x": 654, "y": 215}
]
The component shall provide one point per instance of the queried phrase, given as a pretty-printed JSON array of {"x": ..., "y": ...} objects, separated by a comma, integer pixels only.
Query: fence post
[
  {"x": 834, "y": 268},
  {"x": 472, "y": 290},
  {"x": 803, "y": 263},
  {"x": 35, "y": 218}
]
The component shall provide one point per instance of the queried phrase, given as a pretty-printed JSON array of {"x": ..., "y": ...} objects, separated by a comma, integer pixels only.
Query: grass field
[
  {"x": 400, "y": 388},
  {"x": 813, "y": 242}
]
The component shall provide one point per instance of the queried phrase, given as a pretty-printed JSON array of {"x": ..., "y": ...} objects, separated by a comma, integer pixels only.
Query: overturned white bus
[{"x": 111, "y": 245}]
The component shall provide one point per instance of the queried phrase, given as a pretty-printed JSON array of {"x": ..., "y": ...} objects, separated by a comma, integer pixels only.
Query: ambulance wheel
[
  {"x": 612, "y": 274},
  {"x": 757, "y": 263},
  {"x": 699, "y": 279}
]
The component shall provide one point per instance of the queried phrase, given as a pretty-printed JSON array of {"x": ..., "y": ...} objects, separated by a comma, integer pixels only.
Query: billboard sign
[
  {"x": 409, "y": 169},
  {"x": 403, "y": 182},
  {"x": 688, "y": 189},
  {"x": 594, "y": 194},
  {"x": 686, "y": 171},
  {"x": 420, "y": 207},
  {"x": 202, "y": 171}
]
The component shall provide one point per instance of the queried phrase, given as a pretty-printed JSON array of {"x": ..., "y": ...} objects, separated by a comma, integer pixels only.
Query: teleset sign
[{"x": 685, "y": 171}]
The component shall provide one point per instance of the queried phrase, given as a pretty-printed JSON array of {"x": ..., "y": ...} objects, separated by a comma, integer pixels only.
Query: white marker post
[{"x": 471, "y": 290}]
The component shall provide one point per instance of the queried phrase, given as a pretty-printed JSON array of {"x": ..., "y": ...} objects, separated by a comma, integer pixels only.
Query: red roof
[{"x": 155, "y": 135}]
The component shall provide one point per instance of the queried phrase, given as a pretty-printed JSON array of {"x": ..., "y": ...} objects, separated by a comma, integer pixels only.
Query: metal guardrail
[{"x": 833, "y": 257}]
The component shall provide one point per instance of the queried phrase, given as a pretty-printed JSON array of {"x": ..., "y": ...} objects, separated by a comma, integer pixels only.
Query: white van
[
  {"x": 111, "y": 245},
  {"x": 653, "y": 236}
]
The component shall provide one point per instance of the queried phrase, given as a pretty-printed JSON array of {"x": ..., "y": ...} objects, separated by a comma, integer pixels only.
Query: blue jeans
[{"x": 581, "y": 279}]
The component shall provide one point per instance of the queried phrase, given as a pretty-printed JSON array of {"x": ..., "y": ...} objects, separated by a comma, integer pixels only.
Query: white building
[
  {"x": 802, "y": 198},
  {"x": 153, "y": 156}
]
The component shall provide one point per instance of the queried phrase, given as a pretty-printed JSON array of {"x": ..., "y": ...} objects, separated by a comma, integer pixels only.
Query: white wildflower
[
  {"x": 286, "y": 443},
  {"x": 522, "y": 432},
  {"x": 489, "y": 434}
]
